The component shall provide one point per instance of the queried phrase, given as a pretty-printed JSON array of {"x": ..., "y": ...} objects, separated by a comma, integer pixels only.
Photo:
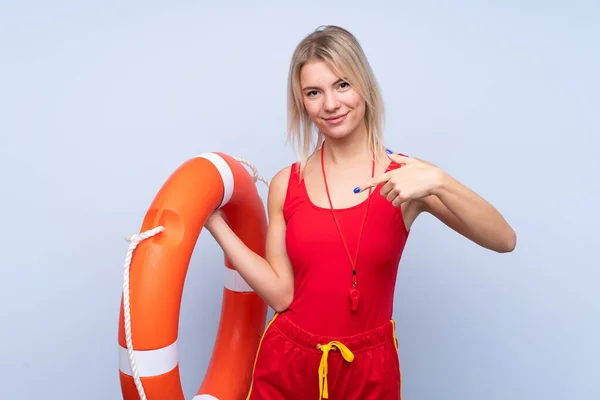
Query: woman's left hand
[{"x": 415, "y": 179}]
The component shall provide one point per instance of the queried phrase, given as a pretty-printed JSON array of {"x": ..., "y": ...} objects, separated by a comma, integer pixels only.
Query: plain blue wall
[{"x": 99, "y": 103}]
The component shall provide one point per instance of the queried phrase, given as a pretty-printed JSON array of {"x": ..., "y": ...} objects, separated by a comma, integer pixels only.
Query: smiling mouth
[{"x": 337, "y": 119}]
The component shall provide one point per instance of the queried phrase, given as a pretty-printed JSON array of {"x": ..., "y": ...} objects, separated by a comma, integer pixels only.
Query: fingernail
[
  {"x": 356, "y": 190},
  {"x": 388, "y": 151}
]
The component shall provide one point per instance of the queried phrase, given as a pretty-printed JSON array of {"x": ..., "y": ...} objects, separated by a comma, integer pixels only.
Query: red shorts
[{"x": 294, "y": 364}]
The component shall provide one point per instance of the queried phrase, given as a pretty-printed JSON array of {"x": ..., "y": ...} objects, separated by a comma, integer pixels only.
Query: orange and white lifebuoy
[{"x": 155, "y": 270}]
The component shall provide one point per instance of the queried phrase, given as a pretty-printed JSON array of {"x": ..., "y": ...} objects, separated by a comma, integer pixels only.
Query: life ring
[{"x": 155, "y": 269}]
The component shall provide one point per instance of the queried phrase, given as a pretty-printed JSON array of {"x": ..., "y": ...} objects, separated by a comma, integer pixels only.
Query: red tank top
[{"x": 322, "y": 270}]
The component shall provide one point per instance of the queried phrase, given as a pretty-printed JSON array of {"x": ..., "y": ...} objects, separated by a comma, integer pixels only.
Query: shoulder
[
  {"x": 278, "y": 186},
  {"x": 281, "y": 178}
]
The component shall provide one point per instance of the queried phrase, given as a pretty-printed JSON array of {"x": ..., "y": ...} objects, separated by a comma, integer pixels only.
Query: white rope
[
  {"x": 133, "y": 243},
  {"x": 255, "y": 175}
]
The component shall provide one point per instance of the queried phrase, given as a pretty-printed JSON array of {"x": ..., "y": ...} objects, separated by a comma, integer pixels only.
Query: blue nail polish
[
  {"x": 388, "y": 151},
  {"x": 356, "y": 190}
]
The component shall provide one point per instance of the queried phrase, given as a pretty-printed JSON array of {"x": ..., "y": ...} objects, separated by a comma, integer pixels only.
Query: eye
[
  {"x": 344, "y": 85},
  {"x": 311, "y": 93}
]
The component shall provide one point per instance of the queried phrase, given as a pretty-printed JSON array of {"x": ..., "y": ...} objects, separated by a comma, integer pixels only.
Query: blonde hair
[{"x": 343, "y": 53}]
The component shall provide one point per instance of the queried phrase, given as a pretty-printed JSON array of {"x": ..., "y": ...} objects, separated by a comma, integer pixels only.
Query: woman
[{"x": 338, "y": 222}]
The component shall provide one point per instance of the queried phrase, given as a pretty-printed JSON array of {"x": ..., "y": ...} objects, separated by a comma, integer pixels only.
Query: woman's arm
[
  {"x": 469, "y": 214},
  {"x": 451, "y": 202},
  {"x": 270, "y": 277}
]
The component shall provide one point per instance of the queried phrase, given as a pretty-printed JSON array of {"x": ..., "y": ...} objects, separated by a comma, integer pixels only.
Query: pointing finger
[
  {"x": 373, "y": 182},
  {"x": 397, "y": 158}
]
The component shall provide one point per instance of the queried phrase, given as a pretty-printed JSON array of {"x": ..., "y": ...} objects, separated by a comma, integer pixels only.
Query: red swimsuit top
[{"x": 322, "y": 270}]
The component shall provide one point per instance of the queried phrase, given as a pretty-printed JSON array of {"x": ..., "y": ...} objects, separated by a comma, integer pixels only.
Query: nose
[{"x": 331, "y": 102}]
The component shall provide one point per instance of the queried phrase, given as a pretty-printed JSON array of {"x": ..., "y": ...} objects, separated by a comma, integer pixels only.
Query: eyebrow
[{"x": 315, "y": 87}]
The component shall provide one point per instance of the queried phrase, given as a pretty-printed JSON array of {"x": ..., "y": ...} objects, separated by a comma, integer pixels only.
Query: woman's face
[{"x": 332, "y": 104}]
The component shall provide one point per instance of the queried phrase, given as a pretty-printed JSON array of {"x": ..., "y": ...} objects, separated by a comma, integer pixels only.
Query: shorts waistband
[{"x": 356, "y": 343}]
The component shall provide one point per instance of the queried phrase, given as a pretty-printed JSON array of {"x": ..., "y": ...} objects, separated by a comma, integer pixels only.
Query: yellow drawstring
[{"x": 326, "y": 348}]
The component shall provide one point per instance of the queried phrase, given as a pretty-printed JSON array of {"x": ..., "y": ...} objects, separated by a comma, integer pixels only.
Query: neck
[{"x": 348, "y": 150}]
